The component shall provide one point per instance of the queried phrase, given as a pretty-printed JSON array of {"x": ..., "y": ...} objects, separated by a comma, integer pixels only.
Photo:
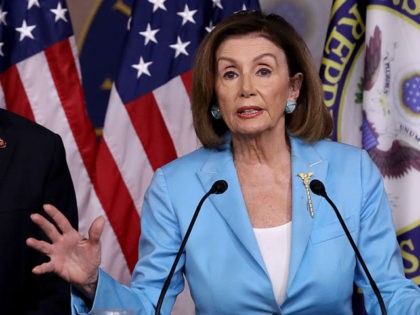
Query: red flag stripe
[
  {"x": 117, "y": 203},
  {"x": 15, "y": 94},
  {"x": 71, "y": 96},
  {"x": 187, "y": 79},
  {"x": 151, "y": 129}
]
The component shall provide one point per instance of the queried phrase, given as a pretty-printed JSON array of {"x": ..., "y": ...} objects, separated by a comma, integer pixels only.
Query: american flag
[
  {"x": 148, "y": 121},
  {"x": 40, "y": 80}
]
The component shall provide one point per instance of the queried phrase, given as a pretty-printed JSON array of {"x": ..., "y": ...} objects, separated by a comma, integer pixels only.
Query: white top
[{"x": 275, "y": 249}]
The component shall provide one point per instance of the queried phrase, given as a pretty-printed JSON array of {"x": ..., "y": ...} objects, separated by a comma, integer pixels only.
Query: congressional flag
[
  {"x": 40, "y": 79},
  {"x": 371, "y": 80}
]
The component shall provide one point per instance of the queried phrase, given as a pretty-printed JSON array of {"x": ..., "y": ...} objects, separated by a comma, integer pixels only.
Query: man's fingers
[
  {"x": 41, "y": 246},
  {"x": 43, "y": 268},
  {"x": 96, "y": 229},
  {"x": 58, "y": 218},
  {"x": 49, "y": 228}
]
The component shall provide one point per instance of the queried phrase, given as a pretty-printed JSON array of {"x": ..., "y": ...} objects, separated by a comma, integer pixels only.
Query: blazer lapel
[
  {"x": 232, "y": 206},
  {"x": 6, "y": 152},
  {"x": 305, "y": 159}
]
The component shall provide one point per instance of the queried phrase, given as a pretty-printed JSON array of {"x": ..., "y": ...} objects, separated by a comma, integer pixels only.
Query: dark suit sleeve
[
  {"x": 52, "y": 292},
  {"x": 59, "y": 189}
]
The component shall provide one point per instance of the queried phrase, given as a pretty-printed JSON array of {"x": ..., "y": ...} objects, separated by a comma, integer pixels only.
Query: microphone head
[
  {"x": 219, "y": 187},
  {"x": 317, "y": 187}
]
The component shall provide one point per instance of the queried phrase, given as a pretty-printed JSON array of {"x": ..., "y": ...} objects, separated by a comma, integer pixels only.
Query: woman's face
[{"x": 253, "y": 85}]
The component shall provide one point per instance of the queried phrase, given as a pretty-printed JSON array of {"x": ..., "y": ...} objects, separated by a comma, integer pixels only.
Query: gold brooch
[{"x": 305, "y": 178}]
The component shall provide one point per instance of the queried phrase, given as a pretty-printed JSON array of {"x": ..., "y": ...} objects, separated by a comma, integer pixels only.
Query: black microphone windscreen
[
  {"x": 219, "y": 187},
  {"x": 317, "y": 187}
]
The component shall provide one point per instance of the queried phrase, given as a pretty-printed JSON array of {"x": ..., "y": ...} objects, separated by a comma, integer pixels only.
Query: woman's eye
[
  {"x": 229, "y": 75},
  {"x": 264, "y": 72}
]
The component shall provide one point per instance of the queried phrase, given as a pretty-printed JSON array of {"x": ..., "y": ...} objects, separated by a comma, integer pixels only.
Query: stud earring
[
  {"x": 215, "y": 112},
  {"x": 290, "y": 107}
]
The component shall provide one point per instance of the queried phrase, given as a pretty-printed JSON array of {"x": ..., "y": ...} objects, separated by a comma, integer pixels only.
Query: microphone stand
[
  {"x": 318, "y": 188},
  {"x": 219, "y": 187}
]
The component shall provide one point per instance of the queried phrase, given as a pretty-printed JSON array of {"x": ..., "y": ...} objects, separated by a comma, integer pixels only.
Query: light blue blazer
[{"x": 222, "y": 261}]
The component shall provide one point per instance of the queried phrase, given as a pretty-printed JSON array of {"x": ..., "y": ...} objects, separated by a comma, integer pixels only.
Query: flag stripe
[
  {"x": 123, "y": 143},
  {"x": 187, "y": 79},
  {"x": 114, "y": 195},
  {"x": 39, "y": 87},
  {"x": 14, "y": 93},
  {"x": 151, "y": 129},
  {"x": 174, "y": 104},
  {"x": 72, "y": 99}
]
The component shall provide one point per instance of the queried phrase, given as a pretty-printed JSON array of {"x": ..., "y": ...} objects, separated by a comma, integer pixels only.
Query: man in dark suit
[{"x": 33, "y": 171}]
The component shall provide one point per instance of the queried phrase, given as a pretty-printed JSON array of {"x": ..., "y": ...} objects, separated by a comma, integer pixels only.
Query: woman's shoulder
[
  {"x": 330, "y": 150},
  {"x": 338, "y": 151},
  {"x": 334, "y": 146},
  {"x": 182, "y": 173},
  {"x": 190, "y": 161}
]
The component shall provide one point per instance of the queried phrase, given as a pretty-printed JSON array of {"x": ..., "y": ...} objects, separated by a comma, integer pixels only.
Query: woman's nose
[{"x": 247, "y": 88}]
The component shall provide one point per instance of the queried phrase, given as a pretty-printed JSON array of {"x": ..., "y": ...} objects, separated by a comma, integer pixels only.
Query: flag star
[
  {"x": 31, "y": 3},
  {"x": 180, "y": 47},
  {"x": 142, "y": 67},
  {"x": 149, "y": 34},
  {"x": 210, "y": 27},
  {"x": 3, "y": 16},
  {"x": 217, "y": 3},
  {"x": 25, "y": 31},
  {"x": 1, "y": 49},
  {"x": 158, "y": 4},
  {"x": 59, "y": 13},
  {"x": 187, "y": 15}
]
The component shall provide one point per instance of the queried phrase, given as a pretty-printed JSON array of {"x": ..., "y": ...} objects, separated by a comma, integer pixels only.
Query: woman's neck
[{"x": 261, "y": 149}]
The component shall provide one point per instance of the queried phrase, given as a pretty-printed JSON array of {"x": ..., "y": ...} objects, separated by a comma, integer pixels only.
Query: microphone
[
  {"x": 318, "y": 188},
  {"x": 218, "y": 187}
]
